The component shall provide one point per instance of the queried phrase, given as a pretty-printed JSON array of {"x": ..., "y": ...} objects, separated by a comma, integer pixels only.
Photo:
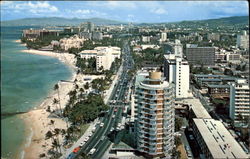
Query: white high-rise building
[
  {"x": 163, "y": 36},
  {"x": 239, "y": 102},
  {"x": 176, "y": 70},
  {"x": 154, "y": 121},
  {"x": 243, "y": 40}
]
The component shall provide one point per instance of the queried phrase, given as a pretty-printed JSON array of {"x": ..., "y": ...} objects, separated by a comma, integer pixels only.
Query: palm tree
[
  {"x": 86, "y": 86},
  {"x": 56, "y": 87},
  {"x": 56, "y": 133}
]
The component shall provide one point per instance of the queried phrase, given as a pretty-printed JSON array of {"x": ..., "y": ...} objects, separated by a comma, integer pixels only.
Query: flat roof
[
  {"x": 197, "y": 107},
  {"x": 218, "y": 139},
  {"x": 205, "y": 75},
  {"x": 218, "y": 86},
  {"x": 210, "y": 79}
]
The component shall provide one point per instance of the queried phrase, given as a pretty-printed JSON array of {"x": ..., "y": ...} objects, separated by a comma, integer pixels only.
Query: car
[
  {"x": 113, "y": 116},
  {"x": 86, "y": 139},
  {"x": 90, "y": 134},
  {"x": 71, "y": 155},
  {"x": 102, "y": 124},
  {"x": 92, "y": 151},
  {"x": 76, "y": 149},
  {"x": 81, "y": 144},
  {"x": 115, "y": 110}
]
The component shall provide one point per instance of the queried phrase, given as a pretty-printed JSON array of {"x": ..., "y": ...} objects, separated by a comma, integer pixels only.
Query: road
[{"x": 101, "y": 138}]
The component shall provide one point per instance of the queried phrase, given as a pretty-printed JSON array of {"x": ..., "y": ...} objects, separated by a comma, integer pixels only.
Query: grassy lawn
[{"x": 83, "y": 128}]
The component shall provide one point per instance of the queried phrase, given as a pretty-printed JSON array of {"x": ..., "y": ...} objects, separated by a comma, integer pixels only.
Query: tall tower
[{"x": 154, "y": 122}]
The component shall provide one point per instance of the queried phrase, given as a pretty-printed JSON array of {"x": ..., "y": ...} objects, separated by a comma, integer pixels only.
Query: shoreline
[{"x": 38, "y": 119}]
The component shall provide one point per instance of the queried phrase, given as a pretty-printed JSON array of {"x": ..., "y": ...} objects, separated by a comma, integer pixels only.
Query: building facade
[
  {"x": 104, "y": 56},
  {"x": 154, "y": 123},
  {"x": 243, "y": 41},
  {"x": 239, "y": 103},
  {"x": 174, "y": 48},
  {"x": 176, "y": 70},
  {"x": 200, "y": 55}
]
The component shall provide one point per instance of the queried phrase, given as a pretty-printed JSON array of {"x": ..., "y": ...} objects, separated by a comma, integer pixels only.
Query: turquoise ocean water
[{"x": 26, "y": 79}]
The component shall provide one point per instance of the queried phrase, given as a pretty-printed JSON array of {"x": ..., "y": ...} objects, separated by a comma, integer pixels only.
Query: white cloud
[
  {"x": 114, "y": 4},
  {"x": 84, "y": 13},
  {"x": 158, "y": 11},
  {"x": 35, "y": 8}
]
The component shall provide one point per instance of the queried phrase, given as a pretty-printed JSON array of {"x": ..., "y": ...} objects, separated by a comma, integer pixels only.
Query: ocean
[{"x": 26, "y": 80}]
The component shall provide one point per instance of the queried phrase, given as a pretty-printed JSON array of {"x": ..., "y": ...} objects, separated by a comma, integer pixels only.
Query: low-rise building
[
  {"x": 219, "y": 91},
  {"x": 216, "y": 141},
  {"x": 204, "y": 80},
  {"x": 145, "y": 38}
]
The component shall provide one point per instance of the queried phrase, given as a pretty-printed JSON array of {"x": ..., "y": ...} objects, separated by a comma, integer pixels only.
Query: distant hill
[
  {"x": 236, "y": 20},
  {"x": 52, "y": 21}
]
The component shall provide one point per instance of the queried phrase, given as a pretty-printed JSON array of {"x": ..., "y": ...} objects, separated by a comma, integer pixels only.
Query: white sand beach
[{"x": 39, "y": 119}]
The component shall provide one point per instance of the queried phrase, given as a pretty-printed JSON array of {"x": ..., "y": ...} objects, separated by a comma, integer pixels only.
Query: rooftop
[
  {"x": 218, "y": 86},
  {"x": 219, "y": 141},
  {"x": 198, "y": 108}
]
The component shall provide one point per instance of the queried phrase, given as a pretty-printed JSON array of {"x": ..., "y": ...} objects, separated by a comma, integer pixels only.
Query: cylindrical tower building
[{"x": 154, "y": 123}]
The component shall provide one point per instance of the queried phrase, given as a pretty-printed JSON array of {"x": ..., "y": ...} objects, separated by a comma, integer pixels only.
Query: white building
[
  {"x": 163, "y": 36},
  {"x": 243, "y": 41},
  {"x": 176, "y": 70},
  {"x": 215, "y": 140},
  {"x": 104, "y": 56},
  {"x": 239, "y": 102},
  {"x": 173, "y": 48},
  {"x": 145, "y": 38},
  {"x": 143, "y": 47}
]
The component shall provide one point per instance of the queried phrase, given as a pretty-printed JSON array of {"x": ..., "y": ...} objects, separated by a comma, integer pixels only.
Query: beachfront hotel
[
  {"x": 104, "y": 56},
  {"x": 154, "y": 117}
]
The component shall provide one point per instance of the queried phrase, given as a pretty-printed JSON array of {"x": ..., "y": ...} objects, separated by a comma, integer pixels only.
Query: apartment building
[
  {"x": 154, "y": 121},
  {"x": 104, "y": 56},
  {"x": 200, "y": 55},
  {"x": 219, "y": 91},
  {"x": 216, "y": 141},
  {"x": 243, "y": 40},
  {"x": 239, "y": 102},
  {"x": 176, "y": 70}
]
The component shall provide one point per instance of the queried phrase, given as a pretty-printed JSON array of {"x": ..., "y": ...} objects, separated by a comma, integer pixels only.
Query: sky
[{"x": 125, "y": 11}]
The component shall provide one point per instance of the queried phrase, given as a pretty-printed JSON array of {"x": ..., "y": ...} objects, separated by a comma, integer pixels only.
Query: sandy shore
[
  {"x": 39, "y": 119},
  {"x": 66, "y": 58}
]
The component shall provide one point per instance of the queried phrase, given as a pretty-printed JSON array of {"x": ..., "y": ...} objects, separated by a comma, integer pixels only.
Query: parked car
[{"x": 76, "y": 149}]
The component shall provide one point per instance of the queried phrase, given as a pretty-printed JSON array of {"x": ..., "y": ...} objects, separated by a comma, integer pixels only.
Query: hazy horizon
[{"x": 125, "y": 11}]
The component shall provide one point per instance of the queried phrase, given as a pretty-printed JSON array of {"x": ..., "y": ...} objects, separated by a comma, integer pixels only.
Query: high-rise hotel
[{"x": 154, "y": 117}]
